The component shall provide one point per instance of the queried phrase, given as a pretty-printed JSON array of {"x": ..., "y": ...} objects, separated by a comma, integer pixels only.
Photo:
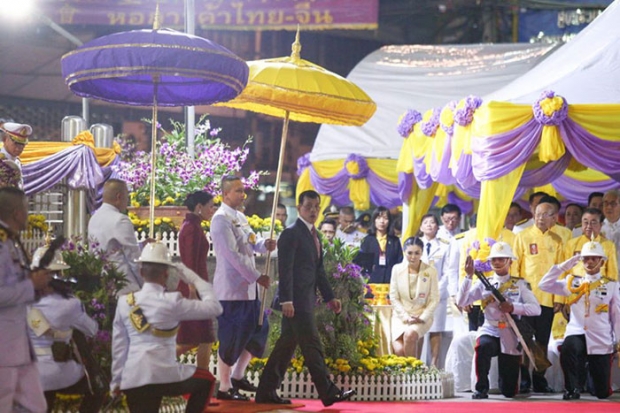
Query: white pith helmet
[
  {"x": 157, "y": 253},
  {"x": 593, "y": 249},
  {"x": 57, "y": 264},
  {"x": 501, "y": 250}
]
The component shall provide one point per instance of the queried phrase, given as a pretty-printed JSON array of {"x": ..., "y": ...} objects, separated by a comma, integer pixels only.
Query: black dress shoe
[
  {"x": 341, "y": 396},
  {"x": 243, "y": 384},
  {"x": 545, "y": 389},
  {"x": 271, "y": 398},
  {"x": 571, "y": 395},
  {"x": 232, "y": 394},
  {"x": 479, "y": 395}
]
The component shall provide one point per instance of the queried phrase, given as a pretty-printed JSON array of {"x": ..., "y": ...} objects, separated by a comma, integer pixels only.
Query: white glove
[
  {"x": 569, "y": 263},
  {"x": 204, "y": 289}
]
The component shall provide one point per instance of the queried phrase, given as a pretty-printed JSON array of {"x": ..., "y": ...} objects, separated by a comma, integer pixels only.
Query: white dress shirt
[{"x": 116, "y": 236}]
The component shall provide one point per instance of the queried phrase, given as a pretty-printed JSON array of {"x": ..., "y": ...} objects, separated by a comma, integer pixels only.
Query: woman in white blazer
[{"x": 414, "y": 294}]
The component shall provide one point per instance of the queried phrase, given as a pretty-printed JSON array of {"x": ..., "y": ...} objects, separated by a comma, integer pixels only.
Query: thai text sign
[{"x": 219, "y": 14}]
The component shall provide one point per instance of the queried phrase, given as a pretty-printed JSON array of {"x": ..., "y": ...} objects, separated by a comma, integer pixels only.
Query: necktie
[
  {"x": 317, "y": 244},
  {"x": 428, "y": 248}
]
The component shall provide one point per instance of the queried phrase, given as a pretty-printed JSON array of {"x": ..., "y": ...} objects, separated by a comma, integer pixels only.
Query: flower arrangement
[
  {"x": 479, "y": 252},
  {"x": 550, "y": 109},
  {"x": 179, "y": 174},
  {"x": 259, "y": 224},
  {"x": 98, "y": 282},
  {"x": 430, "y": 122},
  {"x": 164, "y": 224},
  {"x": 36, "y": 223}
]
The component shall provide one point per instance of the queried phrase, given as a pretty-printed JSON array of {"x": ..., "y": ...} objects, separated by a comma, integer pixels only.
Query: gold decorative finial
[
  {"x": 296, "y": 48},
  {"x": 156, "y": 22},
  {"x": 592, "y": 237}
]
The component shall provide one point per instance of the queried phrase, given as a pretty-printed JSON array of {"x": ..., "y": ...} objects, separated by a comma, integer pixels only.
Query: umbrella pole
[
  {"x": 274, "y": 207},
  {"x": 153, "y": 160}
]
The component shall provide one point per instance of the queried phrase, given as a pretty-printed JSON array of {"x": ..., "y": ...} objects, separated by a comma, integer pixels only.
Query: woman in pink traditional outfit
[{"x": 194, "y": 248}]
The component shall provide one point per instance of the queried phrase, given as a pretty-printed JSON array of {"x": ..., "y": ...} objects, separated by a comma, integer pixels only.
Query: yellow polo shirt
[{"x": 537, "y": 252}]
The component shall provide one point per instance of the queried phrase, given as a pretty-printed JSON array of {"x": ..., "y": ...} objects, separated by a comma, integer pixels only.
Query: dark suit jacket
[
  {"x": 393, "y": 255},
  {"x": 300, "y": 269}
]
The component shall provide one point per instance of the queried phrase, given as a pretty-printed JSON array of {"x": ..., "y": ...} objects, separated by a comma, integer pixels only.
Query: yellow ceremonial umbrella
[{"x": 295, "y": 89}]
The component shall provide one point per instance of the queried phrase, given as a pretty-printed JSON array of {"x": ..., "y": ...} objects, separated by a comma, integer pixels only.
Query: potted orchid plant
[{"x": 177, "y": 172}]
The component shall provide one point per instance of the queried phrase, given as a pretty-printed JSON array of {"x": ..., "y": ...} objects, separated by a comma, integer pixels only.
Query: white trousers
[{"x": 20, "y": 390}]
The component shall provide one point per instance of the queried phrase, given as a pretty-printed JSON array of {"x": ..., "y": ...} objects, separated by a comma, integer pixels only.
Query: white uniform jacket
[
  {"x": 352, "y": 239},
  {"x": 443, "y": 233},
  {"x": 517, "y": 292},
  {"x": 16, "y": 291},
  {"x": 115, "y": 234},
  {"x": 234, "y": 245},
  {"x": 437, "y": 258},
  {"x": 62, "y": 315},
  {"x": 141, "y": 358},
  {"x": 601, "y": 321}
]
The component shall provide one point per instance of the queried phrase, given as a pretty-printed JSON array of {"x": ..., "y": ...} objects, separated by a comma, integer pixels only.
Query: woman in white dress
[
  {"x": 435, "y": 250},
  {"x": 414, "y": 295}
]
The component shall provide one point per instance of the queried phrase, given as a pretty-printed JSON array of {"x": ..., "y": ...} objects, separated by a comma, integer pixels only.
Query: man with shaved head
[{"x": 112, "y": 229}]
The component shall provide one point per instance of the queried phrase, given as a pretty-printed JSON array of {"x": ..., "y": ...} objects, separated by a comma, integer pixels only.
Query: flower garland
[
  {"x": 479, "y": 252},
  {"x": 407, "y": 122},
  {"x": 430, "y": 122},
  {"x": 464, "y": 112},
  {"x": 550, "y": 109}
]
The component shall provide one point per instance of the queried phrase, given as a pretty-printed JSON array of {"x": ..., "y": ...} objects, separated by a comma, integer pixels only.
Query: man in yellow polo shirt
[{"x": 537, "y": 249}]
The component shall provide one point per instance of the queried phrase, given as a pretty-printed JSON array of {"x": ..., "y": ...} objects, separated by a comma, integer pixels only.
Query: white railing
[{"x": 171, "y": 240}]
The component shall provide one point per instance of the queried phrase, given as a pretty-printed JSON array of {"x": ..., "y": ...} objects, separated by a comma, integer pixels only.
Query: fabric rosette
[
  {"x": 550, "y": 109},
  {"x": 84, "y": 138},
  {"x": 464, "y": 112},
  {"x": 407, "y": 122},
  {"x": 479, "y": 252},
  {"x": 303, "y": 162},
  {"x": 430, "y": 122},
  {"x": 446, "y": 118},
  {"x": 356, "y": 166}
]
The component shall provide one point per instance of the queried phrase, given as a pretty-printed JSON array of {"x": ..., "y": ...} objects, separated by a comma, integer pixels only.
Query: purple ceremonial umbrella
[{"x": 154, "y": 68}]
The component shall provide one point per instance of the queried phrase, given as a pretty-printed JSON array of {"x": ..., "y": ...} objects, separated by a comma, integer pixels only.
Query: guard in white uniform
[
  {"x": 594, "y": 325},
  {"x": 496, "y": 337},
  {"x": 20, "y": 386},
  {"x": 144, "y": 363},
  {"x": 51, "y": 321}
]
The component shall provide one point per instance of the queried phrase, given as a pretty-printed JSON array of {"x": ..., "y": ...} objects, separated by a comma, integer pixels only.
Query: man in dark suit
[{"x": 301, "y": 272}]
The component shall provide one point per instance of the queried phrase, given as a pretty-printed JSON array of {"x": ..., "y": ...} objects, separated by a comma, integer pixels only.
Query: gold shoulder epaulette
[
  {"x": 523, "y": 221},
  {"x": 445, "y": 241},
  {"x": 460, "y": 235},
  {"x": 3, "y": 235}
]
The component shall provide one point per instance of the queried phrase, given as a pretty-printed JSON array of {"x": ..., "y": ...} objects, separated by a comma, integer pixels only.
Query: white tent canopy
[
  {"x": 585, "y": 70},
  {"x": 398, "y": 78}
]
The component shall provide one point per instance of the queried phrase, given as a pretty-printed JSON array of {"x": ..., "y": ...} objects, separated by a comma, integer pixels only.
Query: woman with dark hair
[
  {"x": 385, "y": 247},
  {"x": 194, "y": 248},
  {"x": 434, "y": 254},
  {"x": 414, "y": 295}
]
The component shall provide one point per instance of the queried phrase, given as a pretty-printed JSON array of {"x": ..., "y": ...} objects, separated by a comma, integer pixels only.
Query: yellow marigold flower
[
  {"x": 166, "y": 220},
  {"x": 157, "y": 202},
  {"x": 157, "y": 221},
  {"x": 135, "y": 204}
]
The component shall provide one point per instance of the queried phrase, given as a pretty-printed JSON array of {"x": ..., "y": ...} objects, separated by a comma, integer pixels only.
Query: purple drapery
[
  {"x": 440, "y": 171},
  {"x": 466, "y": 206},
  {"x": 423, "y": 178},
  {"x": 382, "y": 192},
  {"x": 572, "y": 189},
  {"x": 589, "y": 150},
  {"x": 405, "y": 186},
  {"x": 496, "y": 156},
  {"x": 77, "y": 164}
]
